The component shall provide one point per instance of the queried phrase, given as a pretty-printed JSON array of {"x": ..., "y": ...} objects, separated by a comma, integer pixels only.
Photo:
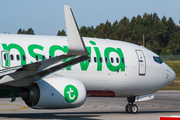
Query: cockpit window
[{"x": 157, "y": 59}]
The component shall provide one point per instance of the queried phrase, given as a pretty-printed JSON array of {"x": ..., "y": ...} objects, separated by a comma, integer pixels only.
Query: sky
[{"x": 46, "y": 17}]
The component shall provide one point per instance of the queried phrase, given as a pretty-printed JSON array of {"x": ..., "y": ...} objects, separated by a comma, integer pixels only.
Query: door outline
[
  {"x": 141, "y": 63},
  {"x": 3, "y": 62}
]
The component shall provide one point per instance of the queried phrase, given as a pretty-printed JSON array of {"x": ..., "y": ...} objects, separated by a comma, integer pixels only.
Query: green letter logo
[
  {"x": 98, "y": 55},
  {"x": 121, "y": 56},
  {"x": 70, "y": 93}
]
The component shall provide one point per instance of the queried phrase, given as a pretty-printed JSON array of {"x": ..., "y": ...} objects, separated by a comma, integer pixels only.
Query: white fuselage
[{"x": 138, "y": 74}]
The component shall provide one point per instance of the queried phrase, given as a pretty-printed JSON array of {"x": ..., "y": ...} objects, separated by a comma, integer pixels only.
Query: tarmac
[{"x": 165, "y": 103}]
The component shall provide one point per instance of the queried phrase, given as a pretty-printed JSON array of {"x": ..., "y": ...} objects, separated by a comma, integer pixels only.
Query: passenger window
[
  {"x": 12, "y": 57},
  {"x": 5, "y": 57},
  {"x": 37, "y": 57},
  {"x": 89, "y": 60},
  {"x": 106, "y": 59},
  {"x": 100, "y": 59},
  {"x": 43, "y": 57},
  {"x": 18, "y": 57},
  {"x": 24, "y": 57},
  {"x": 122, "y": 60},
  {"x": 117, "y": 60},
  {"x": 112, "y": 60},
  {"x": 95, "y": 59}
]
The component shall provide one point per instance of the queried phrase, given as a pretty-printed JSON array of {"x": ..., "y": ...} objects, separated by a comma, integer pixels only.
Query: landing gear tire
[
  {"x": 133, "y": 108},
  {"x": 130, "y": 107},
  {"x": 127, "y": 108}
]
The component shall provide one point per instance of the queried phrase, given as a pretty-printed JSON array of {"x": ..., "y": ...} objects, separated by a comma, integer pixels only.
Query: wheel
[
  {"x": 133, "y": 108},
  {"x": 127, "y": 108}
]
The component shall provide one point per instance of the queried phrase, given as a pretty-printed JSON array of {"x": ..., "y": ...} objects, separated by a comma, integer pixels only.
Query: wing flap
[
  {"x": 9, "y": 70},
  {"x": 63, "y": 65}
]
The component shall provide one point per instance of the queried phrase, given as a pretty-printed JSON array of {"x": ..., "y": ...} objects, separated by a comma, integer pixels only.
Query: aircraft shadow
[
  {"x": 72, "y": 115},
  {"x": 64, "y": 116}
]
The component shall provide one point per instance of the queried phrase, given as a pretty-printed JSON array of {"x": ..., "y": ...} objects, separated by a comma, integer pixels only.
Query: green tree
[
  {"x": 19, "y": 31},
  {"x": 170, "y": 27},
  {"x": 107, "y": 29},
  {"x": 61, "y": 33},
  {"x": 29, "y": 31},
  {"x": 83, "y": 31},
  {"x": 99, "y": 31},
  {"x": 90, "y": 31}
]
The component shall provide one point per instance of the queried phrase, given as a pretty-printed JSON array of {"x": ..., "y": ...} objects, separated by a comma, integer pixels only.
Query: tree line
[{"x": 162, "y": 36}]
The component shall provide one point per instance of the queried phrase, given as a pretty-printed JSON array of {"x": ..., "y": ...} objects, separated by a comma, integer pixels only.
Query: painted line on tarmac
[{"x": 19, "y": 107}]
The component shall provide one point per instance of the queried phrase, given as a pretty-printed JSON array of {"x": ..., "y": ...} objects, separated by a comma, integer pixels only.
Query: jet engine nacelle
[{"x": 55, "y": 93}]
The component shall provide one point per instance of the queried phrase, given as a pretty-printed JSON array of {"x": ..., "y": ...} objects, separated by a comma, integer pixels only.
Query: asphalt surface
[{"x": 166, "y": 103}]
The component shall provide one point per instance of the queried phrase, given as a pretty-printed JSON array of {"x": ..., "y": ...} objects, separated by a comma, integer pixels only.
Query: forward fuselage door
[
  {"x": 141, "y": 62},
  {"x": 5, "y": 59}
]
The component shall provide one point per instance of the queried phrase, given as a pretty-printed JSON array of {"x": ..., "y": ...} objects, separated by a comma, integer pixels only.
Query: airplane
[{"x": 56, "y": 72}]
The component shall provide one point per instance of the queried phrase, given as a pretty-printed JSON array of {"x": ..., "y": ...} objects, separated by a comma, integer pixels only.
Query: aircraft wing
[{"x": 77, "y": 51}]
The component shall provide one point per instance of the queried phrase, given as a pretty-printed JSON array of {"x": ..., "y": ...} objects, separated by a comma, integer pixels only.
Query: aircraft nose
[{"x": 171, "y": 75}]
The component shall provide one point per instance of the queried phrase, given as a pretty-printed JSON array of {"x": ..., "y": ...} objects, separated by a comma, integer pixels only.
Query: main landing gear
[{"x": 130, "y": 107}]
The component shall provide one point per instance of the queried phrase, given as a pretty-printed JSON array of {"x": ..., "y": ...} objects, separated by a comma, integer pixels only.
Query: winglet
[{"x": 75, "y": 41}]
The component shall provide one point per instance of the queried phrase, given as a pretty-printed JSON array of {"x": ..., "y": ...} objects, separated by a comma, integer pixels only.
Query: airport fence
[{"x": 170, "y": 57}]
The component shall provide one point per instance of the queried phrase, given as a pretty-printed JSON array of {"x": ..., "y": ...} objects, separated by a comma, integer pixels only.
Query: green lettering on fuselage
[
  {"x": 98, "y": 56},
  {"x": 17, "y": 47},
  {"x": 53, "y": 48},
  {"x": 84, "y": 65},
  {"x": 32, "y": 53},
  {"x": 118, "y": 51}
]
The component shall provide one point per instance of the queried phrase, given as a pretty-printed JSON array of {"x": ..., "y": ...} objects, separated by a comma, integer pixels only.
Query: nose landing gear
[{"x": 130, "y": 107}]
